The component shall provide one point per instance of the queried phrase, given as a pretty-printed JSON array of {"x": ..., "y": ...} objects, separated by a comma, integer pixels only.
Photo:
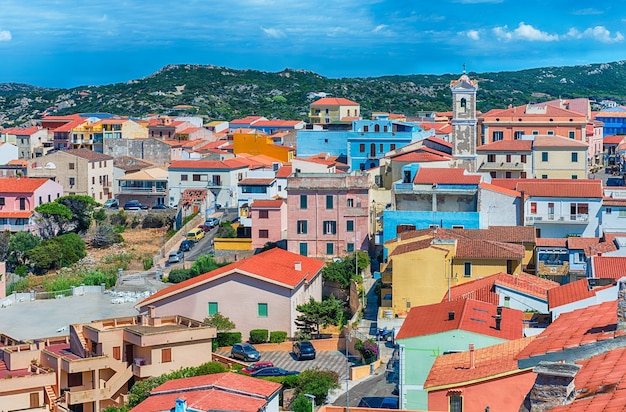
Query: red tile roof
[
  {"x": 15, "y": 214},
  {"x": 284, "y": 171},
  {"x": 227, "y": 164},
  {"x": 470, "y": 316},
  {"x": 334, "y": 101},
  {"x": 552, "y": 242},
  {"x": 590, "y": 188},
  {"x": 489, "y": 362},
  {"x": 568, "y": 293},
  {"x": 67, "y": 127},
  {"x": 578, "y": 328},
  {"x": 515, "y": 113},
  {"x": 267, "y": 204},
  {"x": 230, "y": 380},
  {"x": 452, "y": 176},
  {"x": 414, "y": 246},
  {"x": 507, "y": 146},
  {"x": 202, "y": 400},
  {"x": 277, "y": 123},
  {"x": 613, "y": 267},
  {"x": 478, "y": 289},
  {"x": 21, "y": 131},
  {"x": 488, "y": 249},
  {"x": 512, "y": 234},
  {"x": 90, "y": 155},
  {"x": 421, "y": 157},
  {"x": 617, "y": 139},
  {"x": 255, "y": 182},
  {"x": 527, "y": 283},
  {"x": 246, "y": 120},
  {"x": 275, "y": 266},
  {"x": 558, "y": 141},
  {"x": 499, "y": 189},
  {"x": 21, "y": 184}
]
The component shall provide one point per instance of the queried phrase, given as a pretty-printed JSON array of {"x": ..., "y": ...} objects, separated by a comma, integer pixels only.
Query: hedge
[
  {"x": 228, "y": 338},
  {"x": 278, "y": 336},
  {"x": 258, "y": 335}
]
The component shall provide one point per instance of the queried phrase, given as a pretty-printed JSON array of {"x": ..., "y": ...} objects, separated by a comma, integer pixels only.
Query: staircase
[
  {"x": 52, "y": 397},
  {"x": 81, "y": 338},
  {"x": 3, "y": 366}
]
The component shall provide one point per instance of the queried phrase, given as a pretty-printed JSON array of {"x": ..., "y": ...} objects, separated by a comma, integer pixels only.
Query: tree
[
  {"x": 81, "y": 207},
  {"x": 317, "y": 382},
  {"x": 19, "y": 246},
  {"x": 52, "y": 219},
  {"x": 301, "y": 404},
  {"x": 220, "y": 322},
  {"x": 57, "y": 252},
  {"x": 343, "y": 271},
  {"x": 315, "y": 314},
  {"x": 206, "y": 263},
  {"x": 226, "y": 230},
  {"x": 5, "y": 237},
  {"x": 105, "y": 236}
]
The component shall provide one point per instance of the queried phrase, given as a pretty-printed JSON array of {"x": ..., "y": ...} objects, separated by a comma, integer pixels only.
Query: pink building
[
  {"x": 269, "y": 221},
  {"x": 328, "y": 214},
  {"x": 19, "y": 196}
]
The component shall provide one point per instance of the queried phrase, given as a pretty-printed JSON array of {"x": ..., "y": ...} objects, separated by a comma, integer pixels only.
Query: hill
[{"x": 223, "y": 93}]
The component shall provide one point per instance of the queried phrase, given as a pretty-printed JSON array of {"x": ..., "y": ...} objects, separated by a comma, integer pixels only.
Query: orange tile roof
[
  {"x": 577, "y": 328},
  {"x": 489, "y": 362},
  {"x": 246, "y": 120},
  {"x": 515, "y": 113},
  {"x": 15, "y": 214},
  {"x": 207, "y": 164},
  {"x": 470, "y": 316},
  {"x": 507, "y": 146},
  {"x": 334, "y": 101},
  {"x": 269, "y": 204},
  {"x": 255, "y": 182},
  {"x": 527, "y": 283},
  {"x": 21, "y": 131},
  {"x": 551, "y": 242},
  {"x": 617, "y": 139},
  {"x": 21, "y": 184},
  {"x": 613, "y": 267},
  {"x": 558, "y": 141},
  {"x": 452, "y": 176},
  {"x": 202, "y": 400},
  {"x": 499, "y": 189},
  {"x": 477, "y": 289},
  {"x": 19, "y": 162},
  {"x": 230, "y": 380},
  {"x": 421, "y": 157},
  {"x": 67, "y": 127},
  {"x": 90, "y": 155},
  {"x": 284, "y": 171},
  {"x": 568, "y": 293},
  {"x": 512, "y": 234},
  {"x": 277, "y": 123},
  {"x": 488, "y": 249},
  {"x": 590, "y": 188},
  {"x": 275, "y": 266},
  {"x": 413, "y": 246}
]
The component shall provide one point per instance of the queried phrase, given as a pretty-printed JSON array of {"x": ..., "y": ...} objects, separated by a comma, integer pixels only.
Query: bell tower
[{"x": 464, "y": 123}]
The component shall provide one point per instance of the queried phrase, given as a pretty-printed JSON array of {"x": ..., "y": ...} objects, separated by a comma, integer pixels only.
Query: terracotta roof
[
  {"x": 21, "y": 185},
  {"x": 499, "y": 189},
  {"x": 413, "y": 246},
  {"x": 478, "y": 289},
  {"x": 599, "y": 384},
  {"x": 246, "y": 120},
  {"x": 421, "y": 157},
  {"x": 515, "y": 113},
  {"x": 90, "y": 155},
  {"x": 267, "y": 204},
  {"x": 275, "y": 266},
  {"x": 230, "y": 380},
  {"x": 507, "y": 146},
  {"x": 558, "y": 141},
  {"x": 510, "y": 234},
  {"x": 277, "y": 123},
  {"x": 578, "y": 328},
  {"x": 551, "y": 242},
  {"x": 527, "y": 283},
  {"x": 227, "y": 164},
  {"x": 19, "y": 162},
  {"x": 613, "y": 267},
  {"x": 334, "y": 101},
  {"x": 21, "y": 131},
  {"x": 489, "y": 362},
  {"x": 284, "y": 171},
  {"x": 67, "y": 127},
  {"x": 452, "y": 176},
  {"x": 470, "y": 316},
  {"x": 617, "y": 139},
  {"x": 488, "y": 249},
  {"x": 568, "y": 293},
  {"x": 15, "y": 214},
  {"x": 590, "y": 188},
  {"x": 255, "y": 182},
  {"x": 439, "y": 141}
]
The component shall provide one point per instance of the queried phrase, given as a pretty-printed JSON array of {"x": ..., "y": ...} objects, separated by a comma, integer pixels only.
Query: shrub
[
  {"x": 301, "y": 404},
  {"x": 119, "y": 219},
  {"x": 368, "y": 349},
  {"x": 317, "y": 382},
  {"x": 180, "y": 275},
  {"x": 278, "y": 336},
  {"x": 228, "y": 338},
  {"x": 153, "y": 220},
  {"x": 105, "y": 236},
  {"x": 147, "y": 263},
  {"x": 258, "y": 335}
]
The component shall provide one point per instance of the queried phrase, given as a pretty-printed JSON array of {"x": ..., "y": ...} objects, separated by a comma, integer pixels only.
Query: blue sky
[{"x": 67, "y": 43}]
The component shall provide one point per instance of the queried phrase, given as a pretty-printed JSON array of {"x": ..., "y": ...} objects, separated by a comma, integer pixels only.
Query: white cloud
[
  {"x": 473, "y": 34},
  {"x": 378, "y": 28},
  {"x": 5, "y": 35},
  {"x": 599, "y": 33},
  {"x": 523, "y": 32},
  {"x": 273, "y": 33},
  {"x": 587, "y": 12}
]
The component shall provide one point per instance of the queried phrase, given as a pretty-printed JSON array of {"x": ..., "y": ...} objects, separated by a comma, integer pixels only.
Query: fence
[{"x": 16, "y": 297}]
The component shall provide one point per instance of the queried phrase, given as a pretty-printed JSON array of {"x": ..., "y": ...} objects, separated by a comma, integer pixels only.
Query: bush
[
  {"x": 119, "y": 219},
  {"x": 105, "y": 236},
  {"x": 368, "y": 349},
  {"x": 278, "y": 336},
  {"x": 147, "y": 263},
  {"x": 228, "y": 338},
  {"x": 180, "y": 275},
  {"x": 153, "y": 220},
  {"x": 317, "y": 382},
  {"x": 258, "y": 335},
  {"x": 301, "y": 404}
]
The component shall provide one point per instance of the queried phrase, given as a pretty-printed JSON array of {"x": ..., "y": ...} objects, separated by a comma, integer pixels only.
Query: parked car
[
  {"x": 304, "y": 350},
  {"x": 186, "y": 245},
  {"x": 256, "y": 366},
  {"x": 134, "y": 205},
  {"x": 245, "y": 352},
  {"x": 212, "y": 221},
  {"x": 111, "y": 204},
  {"x": 160, "y": 207},
  {"x": 204, "y": 228},
  {"x": 274, "y": 371},
  {"x": 615, "y": 181},
  {"x": 195, "y": 234},
  {"x": 175, "y": 256}
]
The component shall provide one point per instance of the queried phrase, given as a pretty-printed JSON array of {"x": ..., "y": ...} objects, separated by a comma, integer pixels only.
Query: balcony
[{"x": 578, "y": 219}]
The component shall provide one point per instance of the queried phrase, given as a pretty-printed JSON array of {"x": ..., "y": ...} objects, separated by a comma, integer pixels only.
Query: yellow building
[
  {"x": 557, "y": 157},
  {"x": 334, "y": 109},
  {"x": 422, "y": 265},
  {"x": 261, "y": 144}
]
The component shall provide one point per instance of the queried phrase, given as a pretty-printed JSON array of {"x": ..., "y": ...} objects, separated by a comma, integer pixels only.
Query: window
[
  {"x": 366, "y": 129},
  {"x": 329, "y": 201},
  {"x": 303, "y": 202},
  {"x": 22, "y": 203},
  {"x": 330, "y": 248},
  {"x": 544, "y": 156},
  {"x": 508, "y": 175},
  {"x": 491, "y": 158},
  {"x": 523, "y": 158},
  {"x": 533, "y": 208},
  {"x": 93, "y": 180},
  {"x": 217, "y": 180},
  {"x": 572, "y": 134},
  {"x": 40, "y": 200},
  {"x": 468, "y": 270},
  {"x": 544, "y": 176},
  {"x": 493, "y": 175},
  {"x": 72, "y": 166},
  {"x": 213, "y": 308},
  {"x": 535, "y": 132},
  {"x": 350, "y": 247},
  {"x": 195, "y": 178},
  {"x": 262, "y": 310},
  {"x": 508, "y": 158},
  {"x": 302, "y": 227},
  {"x": 456, "y": 403},
  {"x": 75, "y": 379},
  {"x": 304, "y": 249},
  {"x": 2, "y": 201},
  {"x": 72, "y": 181},
  {"x": 263, "y": 214},
  {"x": 330, "y": 227},
  {"x": 609, "y": 210},
  {"x": 497, "y": 136},
  {"x": 264, "y": 234},
  {"x": 117, "y": 352},
  {"x": 166, "y": 355},
  {"x": 518, "y": 134},
  {"x": 349, "y": 225},
  {"x": 463, "y": 103},
  {"x": 574, "y": 177},
  {"x": 550, "y": 132},
  {"x": 580, "y": 210},
  {"x": 362, "y": 148},
  {"x": 350, "y": 202},
  {"x": 574, "y": 157},
  {"x": 392, "y": 146},
  {"x": 380, "y": 148}
]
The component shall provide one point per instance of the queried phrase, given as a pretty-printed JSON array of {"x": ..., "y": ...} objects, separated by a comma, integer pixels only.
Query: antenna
[{"x": 463, "y": 68}]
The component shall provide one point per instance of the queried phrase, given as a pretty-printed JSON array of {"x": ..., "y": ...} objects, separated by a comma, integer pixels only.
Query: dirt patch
[{"x": 139, "y": 244}]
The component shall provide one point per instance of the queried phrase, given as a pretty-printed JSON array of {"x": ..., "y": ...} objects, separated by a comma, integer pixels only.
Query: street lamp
[{"x": 312, "y": 399}]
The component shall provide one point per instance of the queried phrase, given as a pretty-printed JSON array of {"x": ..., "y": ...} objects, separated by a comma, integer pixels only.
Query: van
[{"x": 195, "y": 234}]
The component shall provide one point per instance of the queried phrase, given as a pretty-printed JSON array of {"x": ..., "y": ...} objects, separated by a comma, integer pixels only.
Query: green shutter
[
  {"x": 349, "y": 225},
  {"x": 262, "y": 310},
  {"x": 212, "y": 308},
  {"x": 304, "y": 249},
  {"x": 329, "y": 202},
  {"x": 330, "y": 248}
]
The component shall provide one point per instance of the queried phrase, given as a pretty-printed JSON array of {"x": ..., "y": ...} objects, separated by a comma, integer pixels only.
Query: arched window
[
  {"x": 463, "y": 103},
  {"x": 377, "y": 128}
]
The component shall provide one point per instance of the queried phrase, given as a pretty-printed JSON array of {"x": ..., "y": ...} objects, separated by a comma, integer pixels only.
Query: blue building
[
  {"x": 364, "y": 142},
  {"x": 614, "y": 120}
]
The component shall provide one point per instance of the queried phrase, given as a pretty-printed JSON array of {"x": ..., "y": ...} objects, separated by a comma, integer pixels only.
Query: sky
[{"x": 70, "y": 43}]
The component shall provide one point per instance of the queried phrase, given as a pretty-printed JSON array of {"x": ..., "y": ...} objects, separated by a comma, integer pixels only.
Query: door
[
  {"x": 373, "y": 150},
  {"x": 129, "y": 354}
]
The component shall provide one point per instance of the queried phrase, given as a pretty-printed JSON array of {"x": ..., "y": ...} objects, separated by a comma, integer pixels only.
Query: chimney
[
  {"x": 181, "y": 405},
  {"x": 498, "y": 319},
  {"x": 499, "y": 310},
  {"x": 451, "y": 315},
  {"x": 472, "y": 356},
  {"x": 522, "y": 212},
  {"x": 553, "y": 386},
  {"x": 152, "y": 311},
  {"x": 297, "y": 266},
  {"x": 621, "y": 304}
]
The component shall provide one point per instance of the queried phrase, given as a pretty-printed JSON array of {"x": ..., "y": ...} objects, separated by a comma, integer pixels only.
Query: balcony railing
[{"x": 551, "y": 218}]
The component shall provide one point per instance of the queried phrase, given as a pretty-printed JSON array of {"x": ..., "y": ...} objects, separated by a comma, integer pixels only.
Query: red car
[
  {"x": 256, "y": 366},
  {"x": 204, "y": 228}
]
